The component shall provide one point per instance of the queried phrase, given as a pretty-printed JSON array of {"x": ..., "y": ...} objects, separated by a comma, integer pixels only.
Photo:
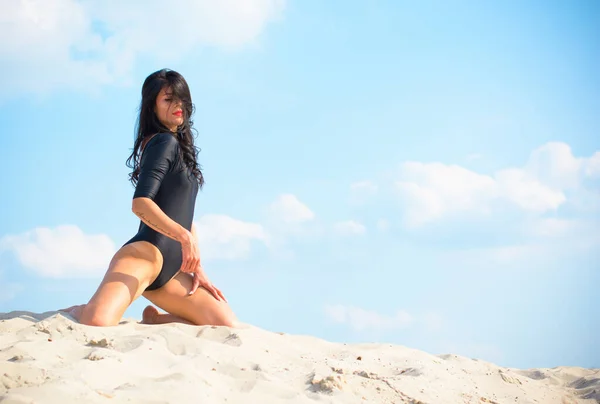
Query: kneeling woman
[{"x": 161, "y": 262}]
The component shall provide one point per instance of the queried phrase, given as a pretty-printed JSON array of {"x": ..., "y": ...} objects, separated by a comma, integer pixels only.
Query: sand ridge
[{"x": 49, "y": 358}]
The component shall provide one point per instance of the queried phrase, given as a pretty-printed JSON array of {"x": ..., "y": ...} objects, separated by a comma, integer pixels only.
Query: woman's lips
[{"x": 178, "y": 113}]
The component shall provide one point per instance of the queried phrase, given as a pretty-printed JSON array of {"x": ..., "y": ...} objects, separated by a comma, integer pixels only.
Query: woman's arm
[
  {"x": 157, "y": 158},
  {"x": 149, "y": 212}
]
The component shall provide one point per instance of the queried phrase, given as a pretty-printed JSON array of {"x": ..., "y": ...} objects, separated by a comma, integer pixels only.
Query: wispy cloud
[
  {"x": 49, "y": 44},
  {"x": 435, "y": 190},
  {"x": 537, "y": 242},
  {"x": 288, "y": 209},
  {"x": 64, "y": 251},
  {"x": 223, "y": 237}
]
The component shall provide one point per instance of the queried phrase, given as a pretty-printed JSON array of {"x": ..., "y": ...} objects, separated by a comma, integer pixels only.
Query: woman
[{"x": 161, "y": 262}]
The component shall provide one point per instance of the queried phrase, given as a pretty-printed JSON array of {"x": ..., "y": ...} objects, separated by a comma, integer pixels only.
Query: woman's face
[{"x": 168, "y": 109}]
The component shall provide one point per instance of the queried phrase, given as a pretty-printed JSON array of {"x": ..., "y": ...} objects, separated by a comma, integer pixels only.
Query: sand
[{"x": 49, "y": 358}]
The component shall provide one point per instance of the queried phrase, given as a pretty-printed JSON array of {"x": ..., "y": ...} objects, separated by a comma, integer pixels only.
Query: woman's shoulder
[{"x": 161, "y": 138}]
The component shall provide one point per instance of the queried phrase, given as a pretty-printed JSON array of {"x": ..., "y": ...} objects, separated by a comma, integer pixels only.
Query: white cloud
[
  {"x": 222, "y": 237},
  {"x": 434, "y": 190},
  {"x": 546, "y": 242},
  {"x": 64, "y": 251},
  {"x": 47, "y": 44},
  {"x": 592, "y": 165},
  {"x": 349, "y": 228},
  {"x": 288, "y": 209},
  {"x": 554, "y": 227},
  {"x": 554, "y": 165},
  {"x": 527, "y": 192},
  {"x": 361, "y": 319},
  {"x": 514, "y": 253}
]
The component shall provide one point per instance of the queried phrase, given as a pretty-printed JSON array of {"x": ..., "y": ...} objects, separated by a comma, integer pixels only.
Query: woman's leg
[
  {"x": 201, "y": 308},
  {"x": 151, "y": 315},
  {"x": 131, "y": 270}
]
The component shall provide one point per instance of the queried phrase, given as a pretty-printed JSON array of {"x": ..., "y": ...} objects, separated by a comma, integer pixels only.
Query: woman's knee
[
  {"x": 225, "y": 318},
  {"x": 94, "y": 317},
  {"x": 225, "y": 322}
]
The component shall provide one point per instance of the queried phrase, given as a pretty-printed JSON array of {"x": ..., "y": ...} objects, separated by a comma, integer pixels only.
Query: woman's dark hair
[{"x": 148, "y": 124}]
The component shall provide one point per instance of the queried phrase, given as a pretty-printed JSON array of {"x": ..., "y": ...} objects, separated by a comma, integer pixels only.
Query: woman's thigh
[
  {"x": 201, "y": 308},
  {"x": 131, "y": 270}
]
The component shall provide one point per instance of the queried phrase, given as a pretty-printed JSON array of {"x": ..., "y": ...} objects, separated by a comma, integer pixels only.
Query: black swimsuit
[{"x": 166, "y": 180}]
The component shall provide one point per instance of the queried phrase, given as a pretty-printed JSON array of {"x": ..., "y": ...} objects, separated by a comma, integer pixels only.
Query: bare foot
[
  {"x": 149, "y": 315},
  {"x": 74, "y": 311}
]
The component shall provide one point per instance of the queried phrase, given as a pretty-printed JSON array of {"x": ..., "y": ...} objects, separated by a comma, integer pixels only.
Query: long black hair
[{"x": 148, "y": 123}]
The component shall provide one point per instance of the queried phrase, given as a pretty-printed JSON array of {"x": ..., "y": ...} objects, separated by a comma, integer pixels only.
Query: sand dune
[{"x": 48, "y": 358}]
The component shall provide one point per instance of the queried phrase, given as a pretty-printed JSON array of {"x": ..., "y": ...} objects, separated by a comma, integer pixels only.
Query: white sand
[{"x": 48, "y": 358}]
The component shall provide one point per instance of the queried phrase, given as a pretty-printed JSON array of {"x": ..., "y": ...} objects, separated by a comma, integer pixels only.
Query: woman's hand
[
  {"x": 200, "y": 279},
  {"x": 191, "y": 264},
  {"x": 190, "y": 253}
]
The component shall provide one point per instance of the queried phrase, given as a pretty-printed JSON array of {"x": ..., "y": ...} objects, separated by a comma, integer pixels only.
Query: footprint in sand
[
  {"x": 588, "y": 388},
  {"x": 410, "y": 372},
  {"x": 122, "y": 345},
  {"x": 509, "y": 379},
  {"x": 220, "y": 334},
  {"x": 15, "y": 354},
  {"x": 16, "y": 375},
  {"x": 127, "y": 345},
  {"x": 533, "y": 374},
  {"x": 449, "y": 357}
]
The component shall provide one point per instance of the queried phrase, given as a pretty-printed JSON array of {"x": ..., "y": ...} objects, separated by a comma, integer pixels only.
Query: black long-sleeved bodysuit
[{"x": 166, "y": 180}]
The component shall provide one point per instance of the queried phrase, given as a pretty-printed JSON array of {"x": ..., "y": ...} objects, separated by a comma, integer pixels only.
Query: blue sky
[{"x": 419, "y": 174}]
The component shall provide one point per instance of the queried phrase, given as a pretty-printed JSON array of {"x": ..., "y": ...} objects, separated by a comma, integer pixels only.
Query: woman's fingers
[
  {"x": 200, "y": 279},
  {"x": 189, "y": 264},
  {"x": 211, "y": 288},
  {"x": 195, "y": 284},
  {"x": 215, "y": 292},
  {"x": 221, "y": 294},
  {"x": 190, "y": 259},
  {"x": 190, "y": 255},
  {"x": 183, "y": 258}
]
